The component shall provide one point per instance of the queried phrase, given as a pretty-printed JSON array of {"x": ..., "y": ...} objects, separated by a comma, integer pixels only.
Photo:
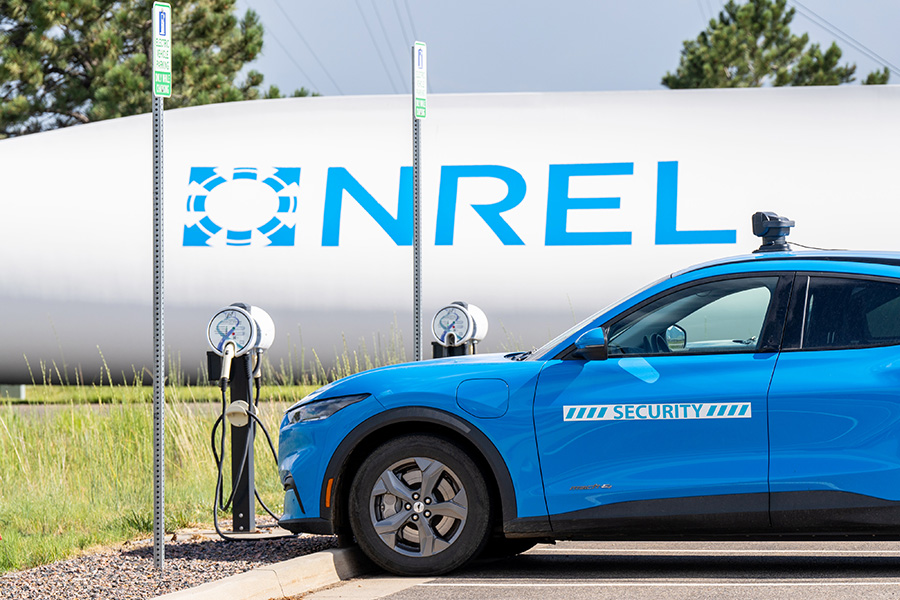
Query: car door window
[
  {"x": 727, "y": 315},
  {"x": 850, "y": 313}
]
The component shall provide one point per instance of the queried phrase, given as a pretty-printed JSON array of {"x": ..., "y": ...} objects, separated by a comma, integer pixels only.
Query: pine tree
[
  {"x": 65, "y": 62},
  {"x": 751, "y": 45}
]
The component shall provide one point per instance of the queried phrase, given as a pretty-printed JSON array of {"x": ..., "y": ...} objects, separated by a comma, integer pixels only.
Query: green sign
[
  {"x": 162, "y": 49},
  {"x": 420, "y": 79}
]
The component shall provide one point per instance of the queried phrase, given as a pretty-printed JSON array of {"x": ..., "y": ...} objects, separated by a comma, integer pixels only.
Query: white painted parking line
[
  {"x": 367, "y": 588},
  {"x": 689, "y": 551},
  {"x": 714, "y": 583}
]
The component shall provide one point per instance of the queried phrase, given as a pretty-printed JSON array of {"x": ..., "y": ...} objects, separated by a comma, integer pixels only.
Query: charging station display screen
[
  {"x": 451, "y": 319},
  {"x": 231, "y": 324}
]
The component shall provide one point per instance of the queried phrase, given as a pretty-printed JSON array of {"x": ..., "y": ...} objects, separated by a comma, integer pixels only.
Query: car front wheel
[{"x": 419, "y": 506}]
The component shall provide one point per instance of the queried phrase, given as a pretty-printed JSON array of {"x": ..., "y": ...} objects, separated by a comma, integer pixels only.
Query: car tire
[{"x": 414, "y": 484}]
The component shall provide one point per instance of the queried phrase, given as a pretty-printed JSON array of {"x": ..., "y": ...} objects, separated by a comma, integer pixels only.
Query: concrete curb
[{"x": 282, "y": 580}]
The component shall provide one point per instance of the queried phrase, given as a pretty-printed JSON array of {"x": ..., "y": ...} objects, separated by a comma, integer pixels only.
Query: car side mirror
[
  {"x": 676, "y": 338},
  {"x": 591, "y": 345}
]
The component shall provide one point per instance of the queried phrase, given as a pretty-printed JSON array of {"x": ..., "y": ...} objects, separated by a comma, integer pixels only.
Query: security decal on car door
[{"x": 640, "y": 412}]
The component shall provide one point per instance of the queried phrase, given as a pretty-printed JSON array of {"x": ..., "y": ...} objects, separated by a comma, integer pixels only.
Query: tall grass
[
  {"x": 302, "y": 367},
  {"x": 76, "y": 476},
  {"x": 307, "y": 368},
  {"x": 288, "y": 381}
]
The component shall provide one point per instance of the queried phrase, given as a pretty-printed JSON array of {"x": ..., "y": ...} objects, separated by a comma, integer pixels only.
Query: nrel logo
[
  {"x": 244, "y": 206},
  {"x": 653, "y": 412}
]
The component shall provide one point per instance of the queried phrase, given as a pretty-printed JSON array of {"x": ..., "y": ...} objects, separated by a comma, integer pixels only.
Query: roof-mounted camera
[{"x": 773, "y": 229}]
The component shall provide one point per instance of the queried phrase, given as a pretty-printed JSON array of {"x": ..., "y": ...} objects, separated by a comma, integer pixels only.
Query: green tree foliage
[
  {"x": 65, "y": 62},
  {"x": 751, "y": 45}
]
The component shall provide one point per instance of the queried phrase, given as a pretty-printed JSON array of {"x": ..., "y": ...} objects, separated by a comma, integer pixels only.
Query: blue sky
[{"x": 353, "y": 47}]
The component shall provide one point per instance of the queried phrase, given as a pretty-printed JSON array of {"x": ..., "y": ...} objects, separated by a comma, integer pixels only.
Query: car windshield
[{"x": 543, "y": 351}]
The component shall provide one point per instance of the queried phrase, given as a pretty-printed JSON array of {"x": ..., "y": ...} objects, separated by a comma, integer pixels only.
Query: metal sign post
[
  {"x": 420, "y": 85},
  {"x": 162, "y": 88}
]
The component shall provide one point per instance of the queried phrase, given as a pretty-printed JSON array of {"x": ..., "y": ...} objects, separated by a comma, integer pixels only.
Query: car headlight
[{"x": 322, "y": 408}]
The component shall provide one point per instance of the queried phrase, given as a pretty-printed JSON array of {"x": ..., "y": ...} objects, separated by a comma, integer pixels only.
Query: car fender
[{"x": 433, "y": 419}]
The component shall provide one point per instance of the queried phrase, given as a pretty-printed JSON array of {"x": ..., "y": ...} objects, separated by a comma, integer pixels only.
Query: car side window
[
  {"x": 850, "y": 313},
  {"x": 717, "y": 316}
]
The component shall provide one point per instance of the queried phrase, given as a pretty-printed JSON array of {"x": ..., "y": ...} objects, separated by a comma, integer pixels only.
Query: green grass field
[
  {"x": 80, "y": 473},
  {"x": 141, "y": 394},
  {"x": 76, "y": 458}
]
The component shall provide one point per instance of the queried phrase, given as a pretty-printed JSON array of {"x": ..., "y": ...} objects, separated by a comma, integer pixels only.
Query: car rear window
[{"x": 851, "y": 313}]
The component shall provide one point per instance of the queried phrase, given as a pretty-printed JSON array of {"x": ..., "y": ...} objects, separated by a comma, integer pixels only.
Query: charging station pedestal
[
  {"x": 244, "y": 504},
  {"x": 438, "y": 350},
  {"x": 238, "y": 335}
]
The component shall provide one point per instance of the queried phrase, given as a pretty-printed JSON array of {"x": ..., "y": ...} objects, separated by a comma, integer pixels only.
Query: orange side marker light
[{"x": 328, "y": 493}]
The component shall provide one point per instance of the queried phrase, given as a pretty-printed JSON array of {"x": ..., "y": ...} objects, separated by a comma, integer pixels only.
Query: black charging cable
[{"x": 219, "y": 456}]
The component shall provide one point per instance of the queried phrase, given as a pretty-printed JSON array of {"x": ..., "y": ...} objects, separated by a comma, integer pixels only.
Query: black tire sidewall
[{"x": 471, "y": 539}]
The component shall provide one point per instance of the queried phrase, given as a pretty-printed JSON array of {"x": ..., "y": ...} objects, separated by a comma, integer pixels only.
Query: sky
[{"x": 361, "y": 47}]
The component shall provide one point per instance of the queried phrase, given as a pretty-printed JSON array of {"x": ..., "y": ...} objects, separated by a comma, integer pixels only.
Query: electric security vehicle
[{"x": 753, "y": 397}]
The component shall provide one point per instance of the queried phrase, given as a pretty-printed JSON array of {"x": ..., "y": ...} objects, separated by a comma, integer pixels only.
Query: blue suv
[{"x": 751, "y": 397}]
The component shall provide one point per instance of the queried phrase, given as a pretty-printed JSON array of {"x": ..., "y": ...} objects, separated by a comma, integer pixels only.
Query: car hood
[{"x": 384, "y": 381}]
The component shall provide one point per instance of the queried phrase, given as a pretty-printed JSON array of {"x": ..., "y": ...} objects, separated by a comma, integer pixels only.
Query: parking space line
[
  {"x": 689, "y": 551},
  {"x": 604, "y": 584}
]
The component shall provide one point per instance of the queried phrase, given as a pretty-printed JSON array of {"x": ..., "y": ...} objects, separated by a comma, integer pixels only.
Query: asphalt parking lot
[{"x": 674, "y": 571}]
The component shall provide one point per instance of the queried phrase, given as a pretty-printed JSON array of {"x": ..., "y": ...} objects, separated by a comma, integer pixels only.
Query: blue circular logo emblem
[{"x": 244, "y": 206}]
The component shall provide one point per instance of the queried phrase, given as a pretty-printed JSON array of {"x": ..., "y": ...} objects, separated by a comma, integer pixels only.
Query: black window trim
[
  {"x": 772, "y": 334},
  {"x": 792, "y": 341}
]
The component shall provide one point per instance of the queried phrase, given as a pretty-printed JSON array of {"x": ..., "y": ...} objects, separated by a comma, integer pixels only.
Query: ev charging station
[
  {"x": 238, "y": 335},
  {"x": 457, "y": 327}
]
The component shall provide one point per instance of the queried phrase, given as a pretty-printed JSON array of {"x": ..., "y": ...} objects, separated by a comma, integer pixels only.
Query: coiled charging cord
[{"x": 219, "y": 455}]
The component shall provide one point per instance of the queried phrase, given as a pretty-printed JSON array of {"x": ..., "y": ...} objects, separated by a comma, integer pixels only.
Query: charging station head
[
  {"x": 266, "y": 327},
  {"x": 458, "y": 323},
  {"x": 481, "y": 322},
  {"x": 232, "y": 323},
  {"x": 773, "y": 229},
  {"x": 249, "y": 327}
]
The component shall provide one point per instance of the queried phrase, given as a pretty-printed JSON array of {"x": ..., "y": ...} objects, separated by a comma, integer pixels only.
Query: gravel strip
[{"x": 127, "y": 572}]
